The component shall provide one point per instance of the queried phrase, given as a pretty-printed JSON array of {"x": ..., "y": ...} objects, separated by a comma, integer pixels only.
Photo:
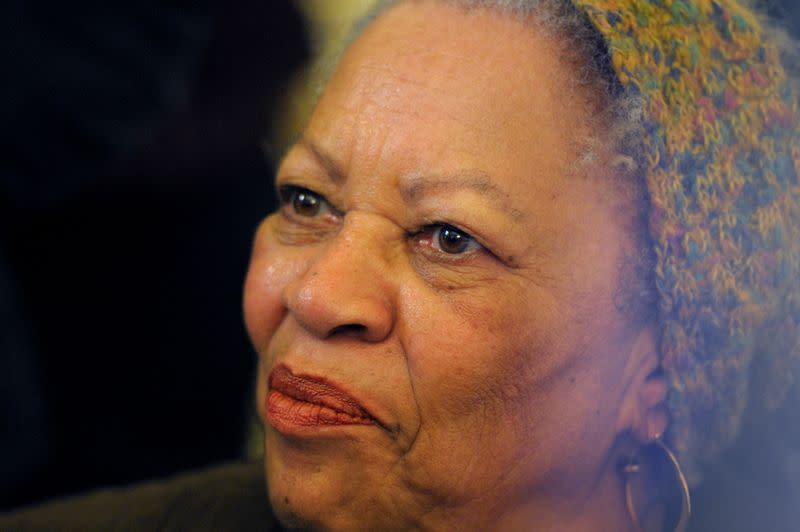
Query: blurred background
[{"x": 138, "y": 143}]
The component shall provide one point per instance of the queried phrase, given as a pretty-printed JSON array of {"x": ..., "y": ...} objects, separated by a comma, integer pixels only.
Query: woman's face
[{"x": 441, "y": 281}]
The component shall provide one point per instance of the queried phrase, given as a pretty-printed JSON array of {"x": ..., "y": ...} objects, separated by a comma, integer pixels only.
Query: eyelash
[
  {"x": 288, "y": 194},
  {"x": 436, "y": 231}
]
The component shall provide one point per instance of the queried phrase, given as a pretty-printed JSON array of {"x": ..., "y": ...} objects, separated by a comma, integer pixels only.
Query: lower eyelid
[
  {"x": 427, "y": 242},
  {"x": 324, "y": 220}
]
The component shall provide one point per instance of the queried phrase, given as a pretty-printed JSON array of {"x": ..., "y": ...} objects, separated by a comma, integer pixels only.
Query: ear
[{"x": 643, "y": 411}]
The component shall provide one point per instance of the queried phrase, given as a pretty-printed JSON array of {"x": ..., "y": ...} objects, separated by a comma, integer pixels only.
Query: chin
[
  {"x": 310, "y": 491},
  {"x": 290, "y": 500},
  {"x": 292, "y": 521},
  {"x": 298, "y": 509}
]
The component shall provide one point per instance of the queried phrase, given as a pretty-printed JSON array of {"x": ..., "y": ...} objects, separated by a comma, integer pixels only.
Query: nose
[{"x": 346, "y": 291}]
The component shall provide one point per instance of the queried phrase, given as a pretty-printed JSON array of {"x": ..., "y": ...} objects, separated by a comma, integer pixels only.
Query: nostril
[{"x": 347, "y": 329}]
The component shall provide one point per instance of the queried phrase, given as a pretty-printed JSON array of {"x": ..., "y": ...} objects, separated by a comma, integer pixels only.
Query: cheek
[
  {"x": 470, "y": 354},
  {"x": 480, "y": 364},
  {"x": 272, "y": 267},
  {"x": 506, "y": 367}
]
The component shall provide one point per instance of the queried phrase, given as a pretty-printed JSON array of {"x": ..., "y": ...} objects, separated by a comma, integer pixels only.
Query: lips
[{"x": 308, "y": 401}]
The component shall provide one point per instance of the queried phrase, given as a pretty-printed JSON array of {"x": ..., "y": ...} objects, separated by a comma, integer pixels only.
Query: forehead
[{"x": 430, "y": 86}]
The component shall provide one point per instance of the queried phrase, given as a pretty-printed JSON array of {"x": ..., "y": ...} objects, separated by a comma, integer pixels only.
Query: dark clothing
[{"x": 229, "y": 497}]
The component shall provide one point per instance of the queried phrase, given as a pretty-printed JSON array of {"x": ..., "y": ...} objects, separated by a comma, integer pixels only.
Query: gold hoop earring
[{"x": 634, "y": 470}]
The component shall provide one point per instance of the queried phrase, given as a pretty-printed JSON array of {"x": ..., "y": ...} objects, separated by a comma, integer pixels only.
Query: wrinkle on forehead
[{"x": 431, "y": 48}]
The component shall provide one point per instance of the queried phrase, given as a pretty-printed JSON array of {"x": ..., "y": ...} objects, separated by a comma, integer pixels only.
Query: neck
[
  {"x": 598, "y": 508},
  {"x": 598, "y": 505}
]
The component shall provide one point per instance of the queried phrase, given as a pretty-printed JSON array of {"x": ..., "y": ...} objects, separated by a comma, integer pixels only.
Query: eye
[
  {"x": 451, "y": 240},
  {"x": 302, "y": 201}
]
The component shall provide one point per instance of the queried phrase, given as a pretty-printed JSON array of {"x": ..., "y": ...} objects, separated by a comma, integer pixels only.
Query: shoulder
[{"x": 227, "y": 497}]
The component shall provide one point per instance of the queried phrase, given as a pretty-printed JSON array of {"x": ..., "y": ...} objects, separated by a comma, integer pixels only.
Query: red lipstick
[{"x": 310, "y": 401}]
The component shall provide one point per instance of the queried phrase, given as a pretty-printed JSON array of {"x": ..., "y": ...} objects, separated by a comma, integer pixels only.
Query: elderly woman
[{"x": 524, "y": 250}]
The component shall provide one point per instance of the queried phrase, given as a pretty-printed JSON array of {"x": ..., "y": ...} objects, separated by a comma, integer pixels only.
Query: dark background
[{"x": 132, "y": 177}]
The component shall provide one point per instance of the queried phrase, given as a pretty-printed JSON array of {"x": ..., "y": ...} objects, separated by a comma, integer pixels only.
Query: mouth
[{"x": 310, "y": 401}]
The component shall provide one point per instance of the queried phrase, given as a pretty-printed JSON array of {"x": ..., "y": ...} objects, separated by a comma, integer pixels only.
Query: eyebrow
[
  {"x": 413, "y": 187},
  {"x": 479, "y": 182},
  {"x": 330, "y": 166}
]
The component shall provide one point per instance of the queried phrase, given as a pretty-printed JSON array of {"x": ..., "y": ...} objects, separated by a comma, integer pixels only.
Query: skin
[{"x": 506, "y": 381}]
